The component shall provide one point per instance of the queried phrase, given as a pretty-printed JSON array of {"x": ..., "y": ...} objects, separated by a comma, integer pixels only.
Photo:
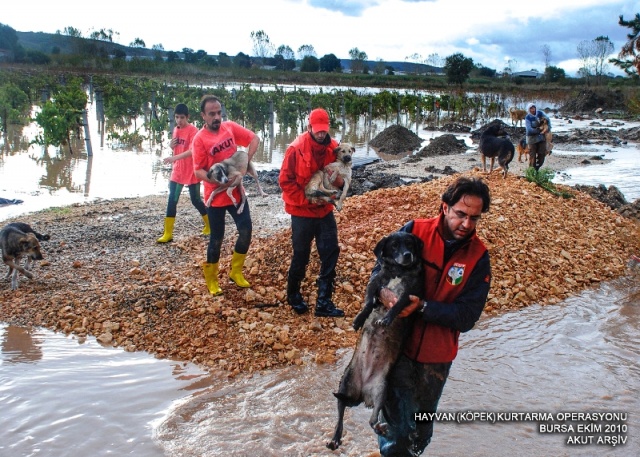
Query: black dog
[
  {"x": 380, "y": 344},
  {"x": 491, "y": 145}
]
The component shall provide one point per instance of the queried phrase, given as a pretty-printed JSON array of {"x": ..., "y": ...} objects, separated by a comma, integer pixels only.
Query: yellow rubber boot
[
  {"x": 168, "y": 230},
  {"x": 207, "y": 228},
  {"x": 237, "y": 262},
  {"x": 211, "y": 278}
]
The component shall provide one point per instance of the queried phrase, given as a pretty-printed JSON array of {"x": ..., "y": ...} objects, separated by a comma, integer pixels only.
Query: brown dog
[
  {"x": 517, "y": 115},
  {"x": 548, "y": 136},
  {"x": 523, "y": 150},
  {"x": 324, "y": 184},
  {"x": 229, "y": 174},
  {"x": 17, "y": 241}
]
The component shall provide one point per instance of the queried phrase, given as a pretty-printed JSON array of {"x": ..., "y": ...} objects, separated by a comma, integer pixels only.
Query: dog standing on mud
[
  {"x": 229, "y": 174},
  {"x": 523, "y": 149},
  {"x": 382, "y": 337},
  {"x": 17, "y": 241},
  {"x": 492, "y": 146},
  {"x": 323, "y": 183}
]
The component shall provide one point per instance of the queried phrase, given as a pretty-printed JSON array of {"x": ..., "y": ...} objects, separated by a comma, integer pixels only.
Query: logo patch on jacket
[{"x": 455, "y": 274}]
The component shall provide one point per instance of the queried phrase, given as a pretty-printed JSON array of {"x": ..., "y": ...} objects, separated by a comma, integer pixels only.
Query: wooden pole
[{"x": 87, "y": 135}]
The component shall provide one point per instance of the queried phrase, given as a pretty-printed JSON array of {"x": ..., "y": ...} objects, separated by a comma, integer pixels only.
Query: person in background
[
  {"x": 182, "y": 173},
  {"x": 215, "y": 142},
  {"x": 535, "y": 139},
  {"x": 310, "y": 220},
  {"x": 457, "y": 281}
]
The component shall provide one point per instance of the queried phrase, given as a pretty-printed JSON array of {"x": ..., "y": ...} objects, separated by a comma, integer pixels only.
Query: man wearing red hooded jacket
[
  {"x": 310, "y": 220},
  {"x": 457, "y": 281}
]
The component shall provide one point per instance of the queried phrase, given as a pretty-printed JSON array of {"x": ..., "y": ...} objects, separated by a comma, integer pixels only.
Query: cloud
[
  {"x": 346, "y": 7},
  {"x": 354, "y": 8}
]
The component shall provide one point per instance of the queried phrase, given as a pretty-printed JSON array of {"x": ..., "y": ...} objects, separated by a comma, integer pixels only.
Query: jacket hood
[{"x": 530, "y": 105}]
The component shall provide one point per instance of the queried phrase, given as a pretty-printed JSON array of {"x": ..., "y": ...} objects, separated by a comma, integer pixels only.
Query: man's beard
[{"x": 215, "y": 126}]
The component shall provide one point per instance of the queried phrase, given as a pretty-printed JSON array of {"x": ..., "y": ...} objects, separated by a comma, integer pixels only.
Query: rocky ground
[{"x": 105, "y": 275}]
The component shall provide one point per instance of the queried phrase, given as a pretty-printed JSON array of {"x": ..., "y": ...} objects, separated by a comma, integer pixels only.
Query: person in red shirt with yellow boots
[
  {"x": 215, "y": 142},
  {"x": 182, "y": 173}
]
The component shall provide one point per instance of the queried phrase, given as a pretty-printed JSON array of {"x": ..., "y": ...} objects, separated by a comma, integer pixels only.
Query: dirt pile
[
  {"x": 396, "y": 139},
  {"x": 588, "y": 101},
  {"x": 443, "y": 145},
  {"x": 105, "y": 275},
  {"x": 591, "y": 136},
  {"x": 453, "y": 128},
  {"x": 613, "y": 198}
]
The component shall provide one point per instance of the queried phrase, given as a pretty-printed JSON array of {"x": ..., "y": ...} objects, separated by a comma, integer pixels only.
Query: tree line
[{"x": 593, "y": 55}]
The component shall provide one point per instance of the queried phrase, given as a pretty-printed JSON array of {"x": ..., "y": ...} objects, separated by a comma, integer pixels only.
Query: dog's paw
[
  {"x": 381, "y": 428},
  {"x": 382, "y": 322},
  {"x": 357, "y": 323}
]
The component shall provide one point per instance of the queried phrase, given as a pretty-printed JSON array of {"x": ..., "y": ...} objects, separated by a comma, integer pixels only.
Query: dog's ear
[
  {"x": 24, "y": 243},
  {"x": 419, "y": 244},
  {"x": 380, "y": 247}
]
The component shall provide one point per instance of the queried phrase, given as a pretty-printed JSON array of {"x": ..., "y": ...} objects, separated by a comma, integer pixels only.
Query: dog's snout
[{"x": 407, "y": 256}]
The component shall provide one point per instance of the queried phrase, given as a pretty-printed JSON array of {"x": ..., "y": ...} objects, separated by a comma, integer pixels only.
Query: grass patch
[{"x": 543, "y": 178}]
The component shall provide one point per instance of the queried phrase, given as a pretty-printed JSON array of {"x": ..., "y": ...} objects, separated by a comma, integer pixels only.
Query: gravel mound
[
  {"x": 443, "y": 145},
  {"x": 396, "y": 140}
]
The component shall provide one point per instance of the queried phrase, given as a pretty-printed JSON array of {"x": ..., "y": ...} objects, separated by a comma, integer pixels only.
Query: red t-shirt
[
  {"x": 210, "y": 148},
  {"x": 182, "y": 171}
]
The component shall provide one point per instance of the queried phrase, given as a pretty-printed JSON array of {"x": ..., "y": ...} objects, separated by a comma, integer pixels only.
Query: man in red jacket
[
  {"x": 310, "y": 220},
  {"x": 457, "y": 281}
]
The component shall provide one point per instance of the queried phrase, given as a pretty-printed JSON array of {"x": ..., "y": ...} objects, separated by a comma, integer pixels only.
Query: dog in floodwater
[{"x": 365, "y": 378}]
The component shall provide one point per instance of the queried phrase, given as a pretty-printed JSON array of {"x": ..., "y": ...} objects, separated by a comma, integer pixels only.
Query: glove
[{"x": 389, "y": 299}]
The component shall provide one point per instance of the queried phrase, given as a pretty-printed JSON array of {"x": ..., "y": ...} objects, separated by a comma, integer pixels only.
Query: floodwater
[
  {"x": 62, "y": 398},
  {"x": 46, "y": 177}
]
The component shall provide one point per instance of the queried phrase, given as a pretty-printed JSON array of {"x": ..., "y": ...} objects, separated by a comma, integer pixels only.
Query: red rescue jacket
[
  {"x": 302, "y": 159},
  {"x": 429, "y": 342}
]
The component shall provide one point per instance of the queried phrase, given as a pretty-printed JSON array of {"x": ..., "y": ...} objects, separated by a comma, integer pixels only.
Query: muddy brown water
[{"x": 62, "y": 398}]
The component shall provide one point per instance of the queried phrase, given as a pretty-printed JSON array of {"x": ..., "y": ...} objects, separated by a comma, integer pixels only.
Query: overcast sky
[{"x": 491, "y": 32}]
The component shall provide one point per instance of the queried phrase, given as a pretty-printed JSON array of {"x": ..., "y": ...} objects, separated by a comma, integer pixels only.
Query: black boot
[
  {"x": 324, "y": 306},
  {"x": 294, "y": 297}
]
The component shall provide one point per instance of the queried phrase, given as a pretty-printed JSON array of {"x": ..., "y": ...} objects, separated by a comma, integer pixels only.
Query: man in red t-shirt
[
  {"x": 215, "y": 142},
  {"x": 182, "y": 173}
]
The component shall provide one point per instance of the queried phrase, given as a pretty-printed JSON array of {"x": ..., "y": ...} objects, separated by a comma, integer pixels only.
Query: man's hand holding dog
[
  {"x": 388, "y": 299},
  {"x": 335, "y": 178},
  {"x": 318, "y": 201}
]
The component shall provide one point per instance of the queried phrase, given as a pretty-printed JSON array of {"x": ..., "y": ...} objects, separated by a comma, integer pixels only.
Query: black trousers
[
  {"x": 537, "y": 154},
  {"x": 325, "y": 232},
  {"x": 217, "y": 220},
  {"x": 413, "y": 387}
]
